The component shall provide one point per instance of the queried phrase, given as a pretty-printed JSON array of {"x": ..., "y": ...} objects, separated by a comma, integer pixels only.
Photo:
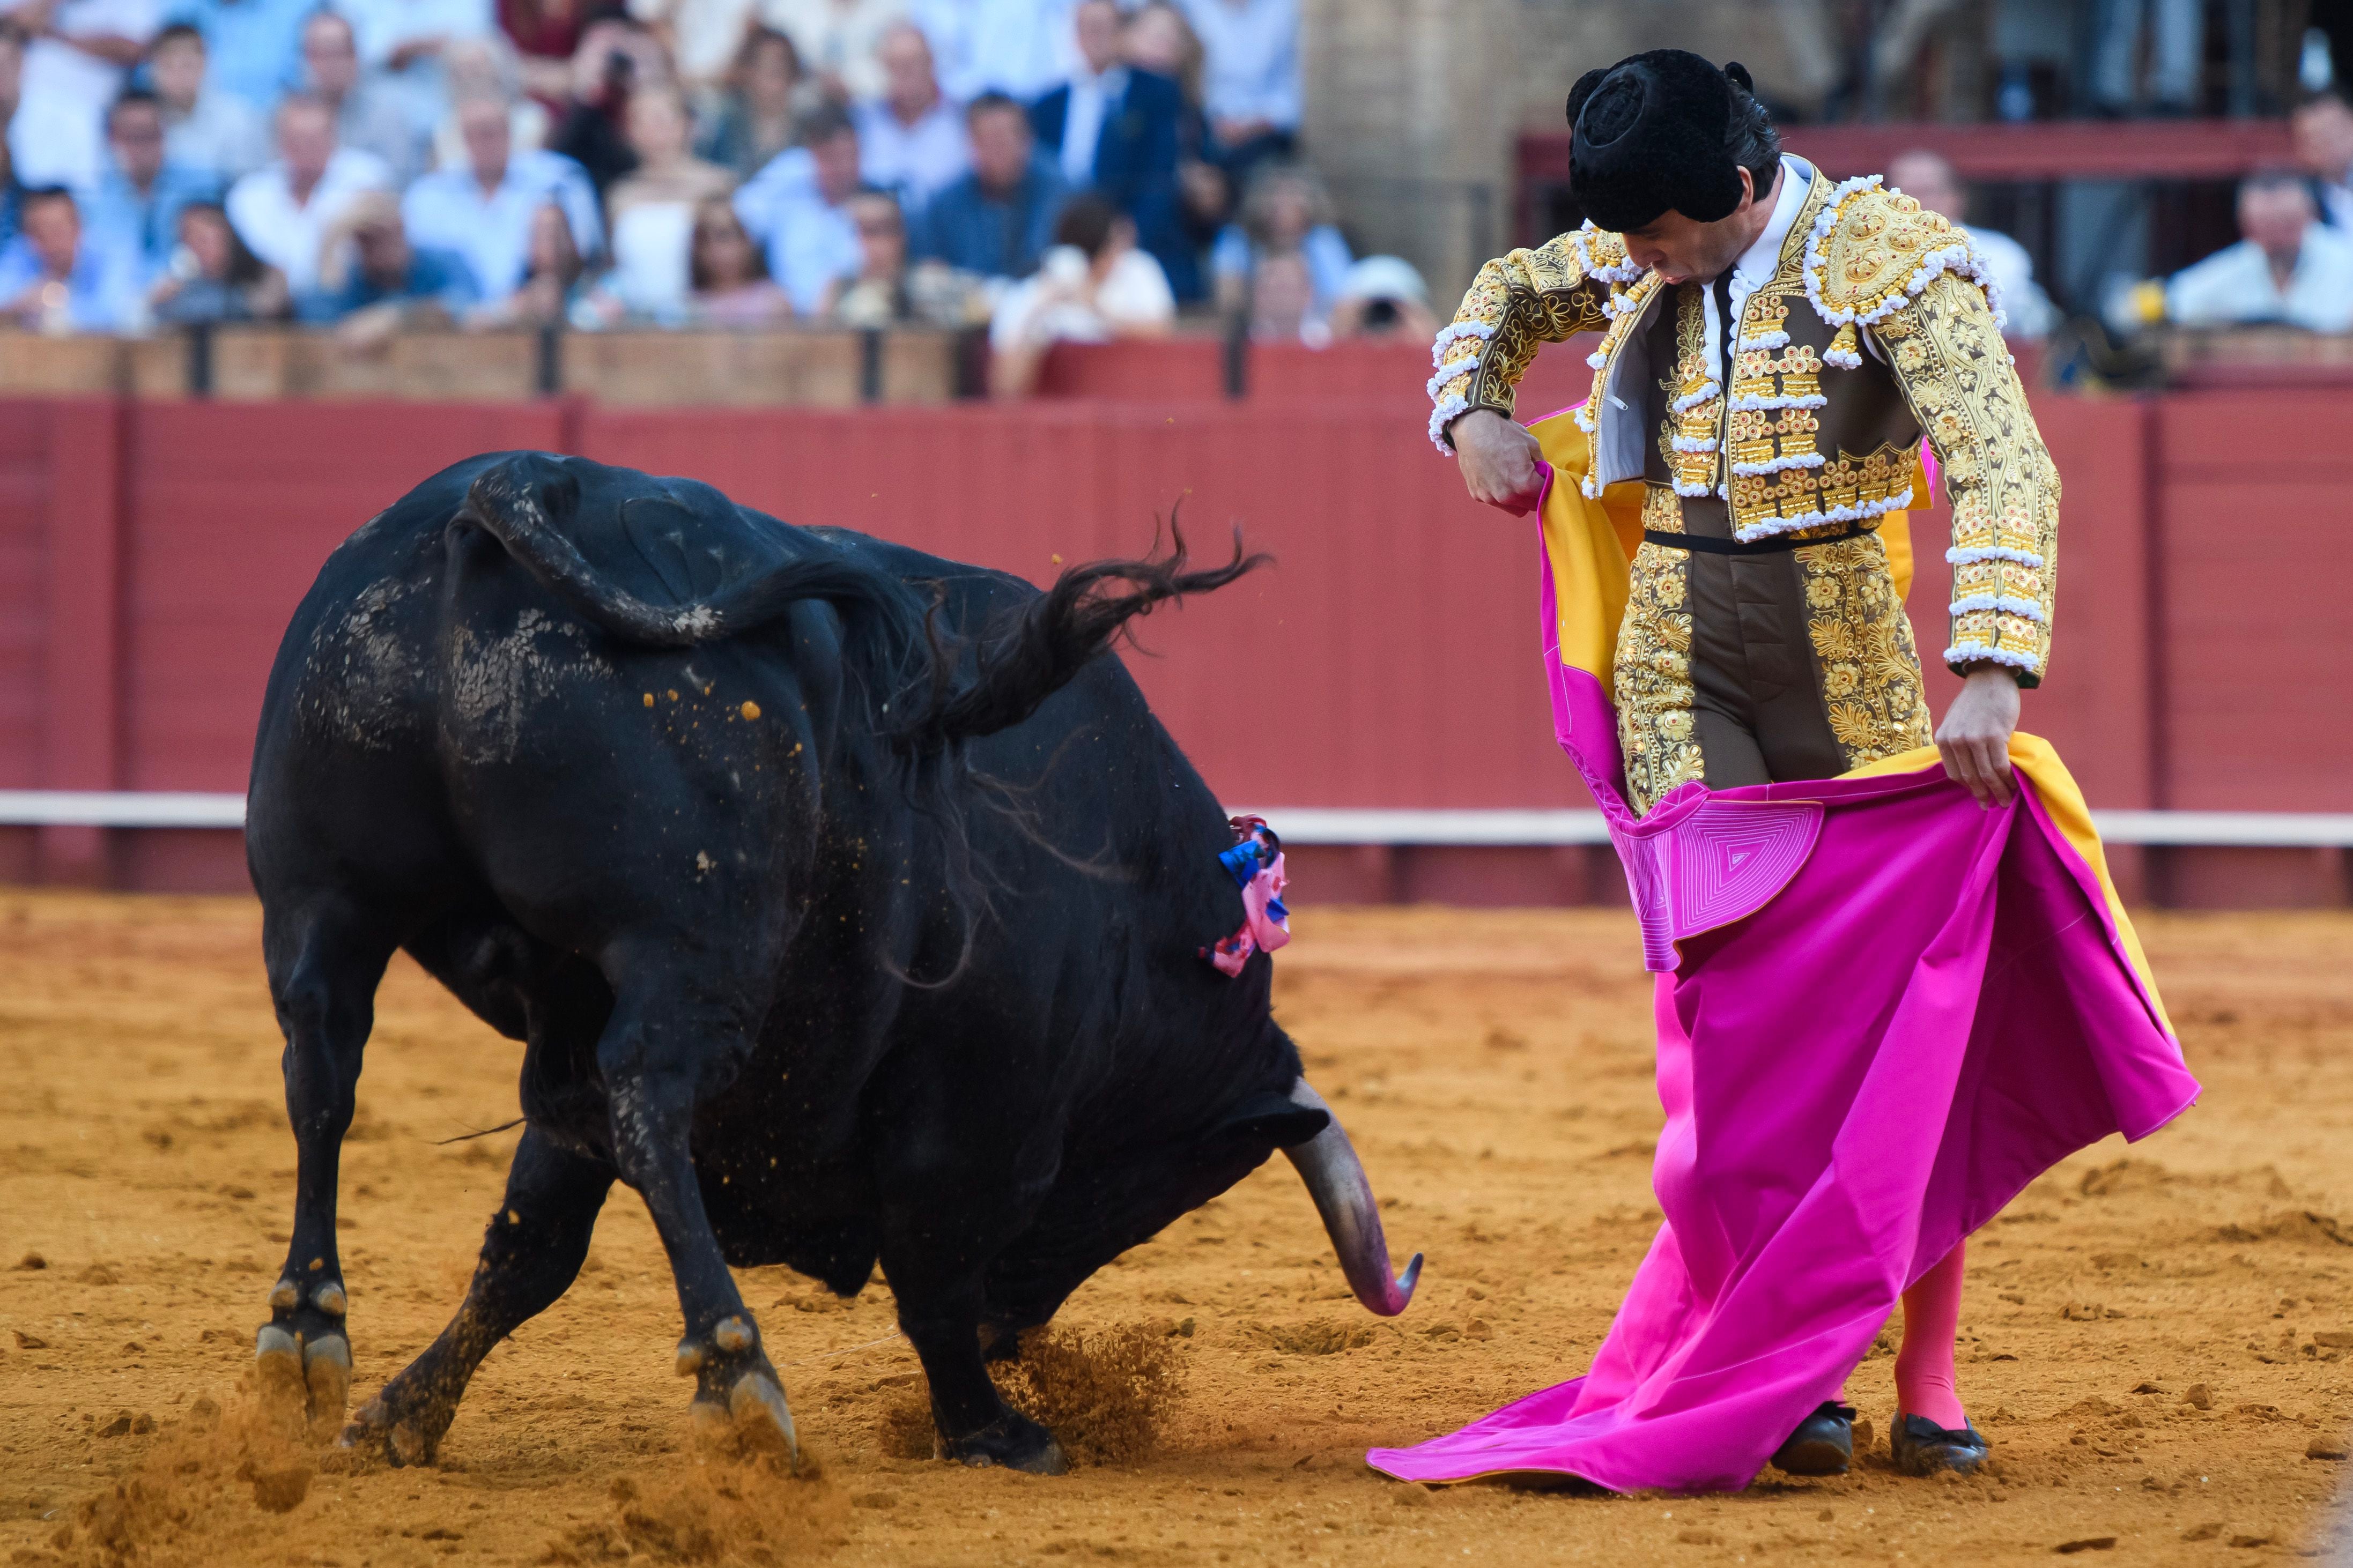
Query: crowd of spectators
[{"x": 1050, "y": 168}]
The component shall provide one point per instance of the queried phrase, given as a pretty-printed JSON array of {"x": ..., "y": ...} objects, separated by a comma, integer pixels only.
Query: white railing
[{"x": 1297, "y": 825}]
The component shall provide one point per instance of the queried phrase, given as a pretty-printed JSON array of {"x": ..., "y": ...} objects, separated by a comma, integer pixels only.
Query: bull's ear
[{"x": 1275, "y": 1119}]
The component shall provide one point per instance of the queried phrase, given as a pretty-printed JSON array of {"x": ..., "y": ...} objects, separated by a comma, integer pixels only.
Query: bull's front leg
[
  {"x": 532, "y": 1251},
  {"x": 324, "y": 961},
  {"x": 655, "y": 1051}
]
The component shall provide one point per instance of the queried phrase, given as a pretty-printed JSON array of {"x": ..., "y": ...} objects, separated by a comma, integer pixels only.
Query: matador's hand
[
  {"x": 1499, "y": 461},
  {"x": 1974, "y": 739}
]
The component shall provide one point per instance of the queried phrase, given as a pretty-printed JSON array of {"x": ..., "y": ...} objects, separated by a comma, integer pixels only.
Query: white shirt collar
[{"x": 1761, "y": 260}]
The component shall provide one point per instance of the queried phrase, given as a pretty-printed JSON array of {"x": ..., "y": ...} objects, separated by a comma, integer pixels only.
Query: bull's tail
[{"x": 935, "y": 689}]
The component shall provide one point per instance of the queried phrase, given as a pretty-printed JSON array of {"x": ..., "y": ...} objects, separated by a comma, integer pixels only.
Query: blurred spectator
[
  {"x": 553, "y": 286},
  {"x": 1251, "y": 51},
  {"x": 755, "y": 117},
  {"x": 838, "y": 40},
  {"x": 12, "y": 70},
  {"x": 2324, "y": 146},
  {"x": 1159, "y": 39},
  {"x": 910, "y": 141},
  {"x": 367, "y": 267},
  {"x": 51, "y": 282},
  {"x": 403, "y": 44},
  {"x": 703, "y": 37},
  {"x": 1117, "y": 129},
  {"x": 203, "y": 129},
  {"x": 486, "y": 211},
  {"x": 250, "y": 45},
  {"x": 1287, "y": 212},
  {"x": 998, "y": 219},
  {"x": 728, "y": 275},
  {"x": 485, "y": 68},
  {"x": 876, "y": 294},
  {"x": 1928, "y": 179},
  {"x": 367, "y": 116},
  {"x": 1018, "y": 48},
  {"x": 798, "y": 209},
  {"x": 133, "y": 214},
  {"x": 1093, "y": 286},
  {"x": 281, "y": 210},
  {"x": 2177, "y": 51},
  {"x": 2288, "y": 268},
  {"x": 1384, "y": 296},
  {"x": 652, "y": 211},
  {"x": 213, "y": 276},
  {"x": 616, "y": 58},
  {"x": 79, "y": 54},
  {"x": 546, "y": 36}
]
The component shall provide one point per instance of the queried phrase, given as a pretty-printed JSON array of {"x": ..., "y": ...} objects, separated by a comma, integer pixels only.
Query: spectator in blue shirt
[
  {"x": 133, "y": 214},
  {"x": 214, "y": 276},
  {"x": 1114, "y": 128},
  {"x": 368, "y": 265},
  {"x": 11, "y": 74},
  {"x": 1250, "y": 50},
  {"x": 1288, "y": 213},
  {"x": 250, "y": 45},
  {"x": 204, "y": 126},
  {"x": 798, "y": 209},
  {"x": 51, "y": 282},
  {"x": 483, "y": 210},
  {"x": 997, "y": 220}
]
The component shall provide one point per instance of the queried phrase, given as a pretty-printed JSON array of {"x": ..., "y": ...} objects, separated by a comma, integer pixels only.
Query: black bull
[{"x": 849, "y": 906}]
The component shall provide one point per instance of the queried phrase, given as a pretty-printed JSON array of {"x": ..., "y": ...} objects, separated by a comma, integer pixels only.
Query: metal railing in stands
[{"x": 1297, "y": 825}]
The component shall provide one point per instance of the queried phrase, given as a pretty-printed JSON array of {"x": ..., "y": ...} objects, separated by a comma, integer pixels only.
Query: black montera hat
[{"x": 1649, "y": 137}]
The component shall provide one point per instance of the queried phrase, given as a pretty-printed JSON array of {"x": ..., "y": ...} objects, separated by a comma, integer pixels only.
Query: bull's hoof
[
  {"x": 403, "y": 1423},
  {"x": 303, "y": 1358},
  {"x": 1012, "y": 1440},
  {"x": 739, "y": 1402}
]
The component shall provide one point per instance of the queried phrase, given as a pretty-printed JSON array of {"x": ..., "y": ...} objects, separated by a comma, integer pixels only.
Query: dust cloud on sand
[{"x": 2157, "y": 1338}]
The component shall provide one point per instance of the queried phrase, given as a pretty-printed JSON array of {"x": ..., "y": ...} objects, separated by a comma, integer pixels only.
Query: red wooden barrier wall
[{"x": 149, "y": 555}]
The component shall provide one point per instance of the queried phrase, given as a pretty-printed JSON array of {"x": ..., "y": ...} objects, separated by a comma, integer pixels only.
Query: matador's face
[{"x": 1680, "y": 250}]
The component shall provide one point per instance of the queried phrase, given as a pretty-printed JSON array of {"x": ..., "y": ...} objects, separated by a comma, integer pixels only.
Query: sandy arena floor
[{"x": 2156, "y": 1341}]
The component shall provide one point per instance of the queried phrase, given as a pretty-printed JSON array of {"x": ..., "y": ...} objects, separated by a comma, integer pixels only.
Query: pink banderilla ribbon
[{"x": 1255, "y": 863}]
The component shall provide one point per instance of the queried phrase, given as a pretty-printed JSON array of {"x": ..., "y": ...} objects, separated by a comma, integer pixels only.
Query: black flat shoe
[
  {"x": 1823, "y": 1444},
  {"x": 1921, "y": 1448}
]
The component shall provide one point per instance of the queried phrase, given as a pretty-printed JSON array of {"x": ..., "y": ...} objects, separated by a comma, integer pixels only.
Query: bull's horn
[{"x": 1336, "y": 1179}]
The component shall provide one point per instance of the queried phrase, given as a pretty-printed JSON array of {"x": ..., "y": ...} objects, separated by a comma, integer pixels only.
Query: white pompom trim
[
  {"x": 1691, "y": 400},
  {"x": 1796, "y": 460},
  {"x": 1959, "y": 257},
  {"x": 1449, "y": 336},
  {"x": 2006, "y": 604},
  {"x": 1978, "y": 653},
  {"x": 1963, "y": 556},
  {"x": 1773, "y": 525},
  {"x": 1748, "y": 400},
  {"x": 1694, "y": 443},
  {"x": 1445, "y": 411},
  {"x": 1775, "y": 339}
]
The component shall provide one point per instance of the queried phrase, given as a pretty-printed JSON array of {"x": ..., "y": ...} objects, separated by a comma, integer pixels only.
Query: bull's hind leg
[
  {"x": 668, "y": 1036},
  {"x": 532, "y": 1251},
  {"x": 326, "y": 958}
]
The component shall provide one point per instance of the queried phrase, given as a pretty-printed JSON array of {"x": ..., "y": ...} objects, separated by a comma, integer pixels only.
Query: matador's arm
[
  {"x": 1518, "y": 304},
  {"x": 1945, "y": 346}
]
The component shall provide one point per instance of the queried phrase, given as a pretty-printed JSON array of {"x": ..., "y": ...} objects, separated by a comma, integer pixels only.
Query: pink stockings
[{"x": 1924, "y": 1365}]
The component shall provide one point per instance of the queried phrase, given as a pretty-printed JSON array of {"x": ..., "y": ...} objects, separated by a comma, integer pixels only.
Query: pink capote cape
[{"x": 1881, "y": 1012}]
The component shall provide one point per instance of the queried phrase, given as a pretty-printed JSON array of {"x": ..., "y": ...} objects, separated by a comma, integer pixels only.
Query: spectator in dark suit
[
  {"x": 1114, "y": 127},
  {"x": 998, "y": 219}
]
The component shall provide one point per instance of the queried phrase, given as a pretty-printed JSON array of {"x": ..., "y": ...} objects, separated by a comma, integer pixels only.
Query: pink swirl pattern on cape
[{"x": 1881, "y": 1012}]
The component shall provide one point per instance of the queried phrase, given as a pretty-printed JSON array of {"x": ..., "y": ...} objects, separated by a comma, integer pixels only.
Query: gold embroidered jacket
[{"x": 1814, "y": 433}]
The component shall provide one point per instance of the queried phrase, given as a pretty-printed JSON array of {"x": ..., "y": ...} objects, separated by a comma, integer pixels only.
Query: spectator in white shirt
[
  {"x": 798, "y": 208},
  {"x": 367, "y": 114},
  {"x": 652, "y": 210},
  {"x": 485, "y": 68},
  {"x": 1018, "y": 48},
  {"x": 2289, "y": 269},
  {"x": 1928, "y": 179},
  {"x": 2324, "y": 145},
  {"x": 910, "y": 141},
  {"x": 1250, "y": 50},
  {"x": 484, "y": 210},
  {"x": 838, "y": 40},
  {"x": 203, "y": 128},
  {"x": 402, "y": 42},
  {"x": 281, "y": 210},
  {"x": 80, "y": 53},
  {"x": 1092, "y": 287}
]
